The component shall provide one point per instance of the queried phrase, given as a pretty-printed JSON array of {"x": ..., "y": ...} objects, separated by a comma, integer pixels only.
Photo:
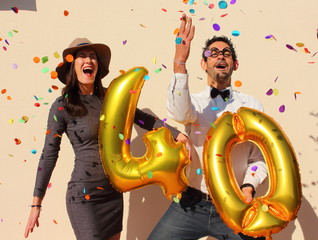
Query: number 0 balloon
[
  {"x": 164, "y": 160},
  {"x": 267, "y": 214}
]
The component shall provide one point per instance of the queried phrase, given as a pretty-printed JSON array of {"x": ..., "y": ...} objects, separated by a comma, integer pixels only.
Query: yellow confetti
[
  {"x": 56, "y": 55},
  {"x": 11, "y": 121},
  {"x": 142, "y": 25},
  {"x": 102, "y": 118},
  {"x": 154, "y": 60},
  {"x": 176, "y": 31}
]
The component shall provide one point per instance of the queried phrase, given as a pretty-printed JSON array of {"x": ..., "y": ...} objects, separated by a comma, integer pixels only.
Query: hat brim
[{"x": 103, "y": 56}]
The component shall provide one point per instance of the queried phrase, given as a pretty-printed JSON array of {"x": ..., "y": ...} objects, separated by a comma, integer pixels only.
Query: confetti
[
  {"x": 45, "y": 70},
  {"x": 158, "y": 70},
  {"x": 69, "y": 58},
  {"x": 295, "y": 94},
  {"x": 56, "y": 55},
  {"x": 238, "y": 83},
  {"x": 124, "y": 42},
  {"x": 14, "y": 66},
  {"x": 54, "y": 75},
  {"x": 222, "y": 4},
  {"x": 15, "y": 9},
  {"x": 300, "y": 44},
  {"x": 87, "y": 197},
  {"x": 121, "y": 136},
  {"x": 36, "y": 59},
  {"x": 236, "y": 33},
  {"x": 45, "y": 59},
  {"x": 142, "y": 25},
  {"x": 11, "y": 121},
  {"x": 275, "y": 91},
  {"x": 17, "y": 141},
  {"x": 141, "y": 122},
  {"x": 24, "y": 119},
  {"x": 211, "y": 5},
  {"x": 127, "y": 141},
  {"x": 55, "y": 87},
  {"x": 132, "y": 91},
  {"x": 163, "y": 9},
  {"x": 224, "y": 15},
  {"x": 33, "y": 151},
  {"x": 215, "y": 108},
  {"x": 49, "y": 185},
  {"x": 176, "y": 31},
  {"x": 216, "y": 27},
  {"x": 197, "y": 132},
  {"x": 66, "y": 13},
  {"x": 192, "y": 11},
  {"x": 199, "y": 171},
  {"x": 264, "y": 208},
  {"x": 146, "y": 77},
  {"x": 291, "y": 47},
  {"x": 178, "y": 40},
  {"x": 4, "y": 48},
  {"x": 269, "y": 92},
  {"x": 282, "y": 108},
  {"x": 159, "y": 154},
  {"x": 149, "y": 174},
  {"x": 254, "y": 168},
  {"x": 3, "y": 91},
  {"x": 232, "y": 2},
  {"x": 37, "y": 104},
  {"x": 100, "y": 188},
  {"x": 54, "y": 221},
  {"x": 154, "y": 60},
  {"x": 176, "y": 200},
  {"x": 219, "y": 155}
]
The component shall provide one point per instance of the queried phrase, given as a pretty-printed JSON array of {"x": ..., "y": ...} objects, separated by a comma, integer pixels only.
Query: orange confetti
[
  {"x": 54, "y": 74},
  {"x": 87, "y": 197},
  {"x": 48, "y": 132},
  {"x": 3, "y": 91},
  {"x": 100, "y": 188},
  {"x": 238, "y": 83},
  {"x": 55, "y": 87},
  {"x": 176, "y": 31},
  {"x": 159, "y": 154},
  {"x": 36, "y": 59},
  {"x": 9, "y": 98},
  {"x": 66, "y": 13},
  {"x": 17, "y": 141},
  {"x": 132, "y": 91},
  {"x": 69, "y": 58},
  {"x": 54, "y": 221},
  {"x": 121, "y": 71}
]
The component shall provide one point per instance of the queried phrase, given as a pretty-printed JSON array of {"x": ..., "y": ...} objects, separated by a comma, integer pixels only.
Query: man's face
[{"x": 219, "y": 65}]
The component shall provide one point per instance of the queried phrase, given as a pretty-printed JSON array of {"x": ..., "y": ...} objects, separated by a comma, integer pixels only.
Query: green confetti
[
  {"x": 45, "y": 70},
  {"x": 149, "y": 174},
  {"x": 55, "y": 118},
  {"x": 45, "y": 59},
  {"x": 121, "y": 136},
  {"x": 158, "y": 70}
]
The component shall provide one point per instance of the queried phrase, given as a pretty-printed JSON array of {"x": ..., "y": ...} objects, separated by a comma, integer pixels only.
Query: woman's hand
[
  {"x": 33, "y": 221},
  {"x": 184, "y": 139}
]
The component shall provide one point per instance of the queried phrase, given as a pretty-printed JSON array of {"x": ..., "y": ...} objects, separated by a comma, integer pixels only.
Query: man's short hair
[{"x": 219, "y": 39}]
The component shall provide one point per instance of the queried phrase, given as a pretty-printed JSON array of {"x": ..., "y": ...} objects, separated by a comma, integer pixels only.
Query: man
[{"x": 195, "y": 215}]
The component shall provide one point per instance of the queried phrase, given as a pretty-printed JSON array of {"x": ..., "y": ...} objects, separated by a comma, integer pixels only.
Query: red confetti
[
  {"x": 61, "y": 108},
  {"x": 224, "y": 15},
  {"x": 165, "y": 10},
  {"x": 17, "y": 141},
  {"x": 3, "y": 91},
  {"x": 219, "y": 155},
  {"x": 55, "y": 87},
  {"x": 66, "y": 13},
  {"x": 87, "y": 197},
  {"x": 37, "y": 104}
]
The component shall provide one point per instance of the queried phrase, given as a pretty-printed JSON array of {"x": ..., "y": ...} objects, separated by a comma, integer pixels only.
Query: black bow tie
[{"x": 224, "y": 94}]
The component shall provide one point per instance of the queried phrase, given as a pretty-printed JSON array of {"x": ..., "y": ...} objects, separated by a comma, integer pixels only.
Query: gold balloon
[
  {"x": 267, "y": 214},
  {"x": 164, "y": 161}
]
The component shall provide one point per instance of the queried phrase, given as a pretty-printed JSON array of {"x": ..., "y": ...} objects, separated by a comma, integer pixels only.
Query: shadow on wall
[
  {"x": 30, "y": 5},
  {"x": 147, "y": 205}
]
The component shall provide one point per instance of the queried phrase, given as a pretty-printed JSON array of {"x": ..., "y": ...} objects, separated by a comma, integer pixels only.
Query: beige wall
[{"x": 43, "y": 30}]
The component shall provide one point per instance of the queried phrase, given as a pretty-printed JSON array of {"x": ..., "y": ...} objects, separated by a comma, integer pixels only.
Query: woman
[{"x": 77, "y": 114}]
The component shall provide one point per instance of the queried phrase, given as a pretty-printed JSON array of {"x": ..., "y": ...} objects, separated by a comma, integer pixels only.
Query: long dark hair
[{"x": 71, "y": 93}]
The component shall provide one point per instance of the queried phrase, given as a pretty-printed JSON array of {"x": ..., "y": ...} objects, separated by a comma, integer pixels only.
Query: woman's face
[{"x": 86, "y": 67}]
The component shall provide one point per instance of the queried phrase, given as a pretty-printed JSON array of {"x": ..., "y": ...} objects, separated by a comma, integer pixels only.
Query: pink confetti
[
  {"x": 282, "y": 108},
  {"x": 269, "y": 92},
  {"x": 233, "y": 2}
]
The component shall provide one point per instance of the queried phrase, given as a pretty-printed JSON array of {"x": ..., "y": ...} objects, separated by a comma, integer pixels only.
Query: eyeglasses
[{"x": 214, "y": 52}]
